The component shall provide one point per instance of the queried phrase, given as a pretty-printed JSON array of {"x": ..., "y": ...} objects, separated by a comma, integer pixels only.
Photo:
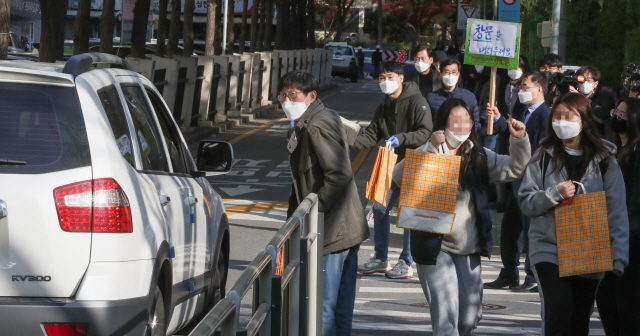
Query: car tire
[
  {"x": 157, "y": 319},
  {"x": 220, "y": 277}
]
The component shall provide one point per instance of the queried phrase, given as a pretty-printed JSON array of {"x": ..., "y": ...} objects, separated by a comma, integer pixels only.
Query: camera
[
  {"x": 630, "y": 80},
  {"x": 562, "y": 81}
]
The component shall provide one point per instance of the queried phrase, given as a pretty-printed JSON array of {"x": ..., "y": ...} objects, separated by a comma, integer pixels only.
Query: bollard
[
  {"x": 186, "y": 88},
  {"x": 265, "y": 70},
  {"x": 256, "y": 70}
]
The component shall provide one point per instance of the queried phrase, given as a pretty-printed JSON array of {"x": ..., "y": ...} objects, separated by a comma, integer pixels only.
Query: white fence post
[
  {"x": 221, "y": 90},
  {"x": 142, "y": 66},
  {"x": 170, "y": 67},
  {"x": 255, "y": 81},
  {"x": 190, "y": 64},
  {"x": 276, "y": 69},
  {"x": 265, "y": 69},
  {"x": 233, "y": 101},
  {"x": 206, "y": 62}
]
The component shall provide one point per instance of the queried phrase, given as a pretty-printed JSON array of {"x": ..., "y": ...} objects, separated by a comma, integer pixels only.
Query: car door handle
[
  {"x": 189, "y": 201},
  {"x": 164, "y": 200}
]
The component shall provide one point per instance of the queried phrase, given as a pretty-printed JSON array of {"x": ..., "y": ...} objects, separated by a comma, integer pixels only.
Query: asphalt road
[{"x": 256, "y": 194}]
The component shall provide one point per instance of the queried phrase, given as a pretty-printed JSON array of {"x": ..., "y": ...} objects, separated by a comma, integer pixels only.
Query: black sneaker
[{"x": 526, "y": 288}]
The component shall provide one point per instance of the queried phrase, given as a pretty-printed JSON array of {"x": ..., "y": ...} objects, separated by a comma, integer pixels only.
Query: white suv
[{"x": 107, "y": 225}]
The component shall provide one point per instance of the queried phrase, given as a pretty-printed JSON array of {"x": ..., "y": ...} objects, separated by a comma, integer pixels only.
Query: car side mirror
[{"x": 214, "y": 157}]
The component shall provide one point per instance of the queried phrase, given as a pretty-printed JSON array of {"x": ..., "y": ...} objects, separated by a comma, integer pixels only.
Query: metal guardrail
[{"x": 289, "y": 303}]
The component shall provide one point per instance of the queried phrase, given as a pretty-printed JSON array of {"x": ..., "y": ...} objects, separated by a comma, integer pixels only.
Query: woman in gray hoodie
[
  {"x": 449, "y": 265},
  {"x": 573, "y": 152}
]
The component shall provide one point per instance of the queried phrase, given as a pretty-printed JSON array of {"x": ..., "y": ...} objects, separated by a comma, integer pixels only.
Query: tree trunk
[
  {"x": 161, "y": 48},
  {"x": 139, "y": 29},
  {"x": 81, "y": 28},
  {"x": 52, "y": 33},
  {"x": 106, "y": 26},
  {"x": 302, "y": 24},
  {"x": 280, "y": 24},
  {"x": 268, "y": 25},
  {"x": 254, "y": 26},
  {"x": 243, "y": 27},
  {"x": 187, "y": 28},
  {"x": 262, "y": 28},
  {"x": 174, "y": 28},
  {"x": 380, "y": 18},
  {"x": 210, "y": 37},
  {"x": 311, "y": 25},
  {"x": 217, "y": 45},
  {"x": 5, "y": 11},
  {"x": 294, "y": 26},
  {"x": 231, "y": 34}
]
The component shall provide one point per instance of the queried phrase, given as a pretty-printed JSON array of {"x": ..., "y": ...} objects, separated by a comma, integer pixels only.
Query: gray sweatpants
[{"x": 453, "y": 287}]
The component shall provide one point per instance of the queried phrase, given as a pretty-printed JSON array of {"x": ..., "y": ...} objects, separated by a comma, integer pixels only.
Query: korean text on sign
[{"x": 493, "y": 39}]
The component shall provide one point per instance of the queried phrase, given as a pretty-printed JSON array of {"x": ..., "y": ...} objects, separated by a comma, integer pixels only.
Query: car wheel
[
  {"x": 157, "y": 325},
  {"x": 220, "y": 278}
]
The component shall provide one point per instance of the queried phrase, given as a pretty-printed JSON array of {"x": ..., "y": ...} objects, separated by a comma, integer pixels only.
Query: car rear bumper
[
  {"x": 343, "y": 71},
  {"x": 118, "y": 317}
]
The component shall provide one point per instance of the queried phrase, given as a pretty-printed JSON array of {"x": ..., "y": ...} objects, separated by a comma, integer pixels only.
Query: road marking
[
  {"x": 490, "y": 330},
  {"x": 359, "y": 160},
  {"x": 262, "y": 207},
  {"x": 418, "y": 290}
]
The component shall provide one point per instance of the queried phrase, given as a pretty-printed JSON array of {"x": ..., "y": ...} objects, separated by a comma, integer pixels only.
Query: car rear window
[
  {"x": 42, "y": 129},
  {"x": 339, "y": 50}
]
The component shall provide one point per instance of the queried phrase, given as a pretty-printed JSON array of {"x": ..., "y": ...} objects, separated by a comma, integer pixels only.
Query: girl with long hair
[
  {"x": 449, "y": 265},
  {"x": 572, "y": 152},
  {"x": 618, "y": 297}
]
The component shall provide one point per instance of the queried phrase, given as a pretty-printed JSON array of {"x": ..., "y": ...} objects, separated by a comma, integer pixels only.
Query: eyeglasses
[
  {"x": 291, "y": 95},
  {"x": 621, "y": 115}
]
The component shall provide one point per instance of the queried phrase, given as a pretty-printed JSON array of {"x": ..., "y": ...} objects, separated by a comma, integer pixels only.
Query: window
[
  {"x": 340, "y": 50},
  {"x": 147, "y": 133},
  {"x": 171, "y": 137},
  {"x": 117, "y": 119},
  {"x": 42, "y": 129}
]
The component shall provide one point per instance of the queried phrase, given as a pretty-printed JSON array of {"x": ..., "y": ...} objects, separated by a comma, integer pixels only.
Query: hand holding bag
[{"x": 381, "y": 176}]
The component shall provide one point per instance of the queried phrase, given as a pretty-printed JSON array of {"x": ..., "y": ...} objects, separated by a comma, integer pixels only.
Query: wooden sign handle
[{"x": 492, "y": 98}]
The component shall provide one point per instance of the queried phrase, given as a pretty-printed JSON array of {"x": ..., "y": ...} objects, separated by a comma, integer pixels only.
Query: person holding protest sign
[
  {"x": 573, "y": 161},
  {"x": 449, "y": 266},
  {"x": 535, "y": 114}
]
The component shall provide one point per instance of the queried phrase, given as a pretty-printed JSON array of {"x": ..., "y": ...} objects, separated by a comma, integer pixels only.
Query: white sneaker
[
  {"x": 400, "y": 271},
  {"x": 374, "y": 265}
]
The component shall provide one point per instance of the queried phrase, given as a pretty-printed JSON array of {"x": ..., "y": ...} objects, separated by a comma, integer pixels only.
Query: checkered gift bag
[
  {"x": 429, "y": 191},
  {"x": 582, "y": 234},
  {"x": 381, "y": 176}
]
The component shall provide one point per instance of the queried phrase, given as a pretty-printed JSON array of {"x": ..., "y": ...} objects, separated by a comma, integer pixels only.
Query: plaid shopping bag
[
  {"x": 429, "y": 191},
  {"x": 381, "y": 176},
  {"x": 582, "y": 235}
]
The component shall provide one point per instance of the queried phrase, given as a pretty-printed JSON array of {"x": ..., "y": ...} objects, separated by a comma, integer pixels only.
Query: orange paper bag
[
  {"x": 381, "y": 176},
  {"x": 429, "y": 192},
  {"x": 582, "y": 235}
]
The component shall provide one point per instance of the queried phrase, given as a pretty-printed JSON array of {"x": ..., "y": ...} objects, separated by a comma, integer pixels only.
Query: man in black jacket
[
  {"x": 426, "y": 75},
  {"x": 404, "y": 120},
  {"x": 319, "y": 159},
  {"x": 376, "y": 59}
]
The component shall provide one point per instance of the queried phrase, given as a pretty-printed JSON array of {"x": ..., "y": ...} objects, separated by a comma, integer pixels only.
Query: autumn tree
[
  {"x": 106, "y": 25},
  {"x": 212, "y": 20},
  {"x": 139, "y": 29},
  {"x": 243, "y": 26},
  {"x": 162, "y": 27},
  {"x": 187, "y": 27},
  {"x": 174, "y": 28},
  {"x": 311, "y": 24},
  {"x": 5, "y": 11},
  {"x": 52, "y": 32},
  {"x": 254, "y": 25},
  {"x": 268, "y": 24},
  {"x": 343, "y": 10}
]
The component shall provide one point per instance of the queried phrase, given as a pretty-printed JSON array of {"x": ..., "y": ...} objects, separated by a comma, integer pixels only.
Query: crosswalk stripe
[
  {"x": 490, "y": 330},
  {"x": 418, "y": 290},
  {"x": 485, "y": 316}
]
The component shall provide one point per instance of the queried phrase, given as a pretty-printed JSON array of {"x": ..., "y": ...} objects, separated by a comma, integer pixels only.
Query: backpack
[{"x": 544, "y": 162}]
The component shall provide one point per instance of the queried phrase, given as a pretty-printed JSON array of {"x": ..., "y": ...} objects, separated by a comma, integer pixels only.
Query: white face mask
[
  {"x": 514, "y": 74},
  {"x": 585, "y": 88},
  {"x": 455, "y": 140},
  {"x": 566, "y": 129},
  {"x": 422, "y": 66},
  {"x": 294, "y": 110},
  {"x": 389, "y": 87},
  {"x": 479, "y": 68},
  {"x": 525, "y": 96},
  {"x": 450, "y": 80}
]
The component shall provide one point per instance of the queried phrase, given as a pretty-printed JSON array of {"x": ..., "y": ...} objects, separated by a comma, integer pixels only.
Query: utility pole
[{"x": 559, "y": 28}]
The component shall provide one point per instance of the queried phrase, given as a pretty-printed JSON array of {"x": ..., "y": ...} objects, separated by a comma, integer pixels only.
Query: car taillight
[
  {"x": 65, "y": 329},
  {"x": 98, "y": 206}
]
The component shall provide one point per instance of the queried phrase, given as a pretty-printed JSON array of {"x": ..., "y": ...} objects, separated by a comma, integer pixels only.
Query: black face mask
[{"x": 618, "y": 125}]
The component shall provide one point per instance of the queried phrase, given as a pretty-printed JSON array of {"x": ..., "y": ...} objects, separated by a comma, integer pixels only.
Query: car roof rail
[{"x": 82, "y": 63}]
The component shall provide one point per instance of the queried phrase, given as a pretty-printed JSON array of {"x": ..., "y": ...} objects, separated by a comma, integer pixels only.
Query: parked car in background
[
  {"x": 15, "y": 44},
  {"x": 107, "y": 224},
  {"x": 344, "y": 63}
]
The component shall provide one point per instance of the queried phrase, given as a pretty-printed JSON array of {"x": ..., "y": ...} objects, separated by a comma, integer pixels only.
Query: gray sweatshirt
[
  {"x": 538, "y": 202},
  {"x": 464, "y": 238}
]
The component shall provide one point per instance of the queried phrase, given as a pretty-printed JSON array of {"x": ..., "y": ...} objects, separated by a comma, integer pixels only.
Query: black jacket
[
  {"x": 632, "y": 183},
  {"x": 408, "y": 118},
  {"x": 436, "y": 83},
  {"x": 320, "y": 164},
  {"x": 536, "y": 126},
  {"x": 425, "y": 246},
  {"x": 376, "y": 57}
]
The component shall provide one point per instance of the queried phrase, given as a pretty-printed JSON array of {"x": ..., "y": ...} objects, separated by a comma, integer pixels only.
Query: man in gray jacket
[{"x": 319, "y": 159}]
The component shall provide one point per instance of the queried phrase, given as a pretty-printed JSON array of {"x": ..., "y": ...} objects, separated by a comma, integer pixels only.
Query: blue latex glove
[
  {"x": 292, "y": 124},
  {"x": 394, "y": 141}
]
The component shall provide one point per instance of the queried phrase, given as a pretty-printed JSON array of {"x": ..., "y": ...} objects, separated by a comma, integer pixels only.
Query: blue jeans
[
  {"x": 381, "y": 228},
  {"x": 339, "y": 291}
]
